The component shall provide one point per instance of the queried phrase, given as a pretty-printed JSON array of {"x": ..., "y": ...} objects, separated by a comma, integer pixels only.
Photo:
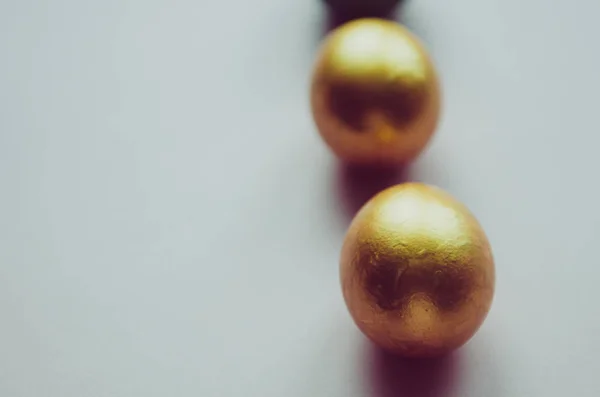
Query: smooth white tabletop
[{"x": 170, "y": 221}]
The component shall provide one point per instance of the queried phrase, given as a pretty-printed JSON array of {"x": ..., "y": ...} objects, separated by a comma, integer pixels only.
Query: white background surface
[{"x": 170, "y": 222}]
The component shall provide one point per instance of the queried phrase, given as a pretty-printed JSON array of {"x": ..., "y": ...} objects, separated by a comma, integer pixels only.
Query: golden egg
[
  {"x": 375, "y": 96},
  {"x": 417, "y": 271}
]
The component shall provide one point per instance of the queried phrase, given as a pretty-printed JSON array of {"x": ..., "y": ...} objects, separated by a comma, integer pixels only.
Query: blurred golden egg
[
  {"x": 375, "y": 96},
  {"x": 417, "y": 271}
]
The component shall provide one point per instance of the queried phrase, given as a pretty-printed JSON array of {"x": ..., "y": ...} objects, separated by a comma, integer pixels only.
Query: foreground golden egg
[
  {"x": 375, "y": 96},
  {"x": 417, "y": 271}
]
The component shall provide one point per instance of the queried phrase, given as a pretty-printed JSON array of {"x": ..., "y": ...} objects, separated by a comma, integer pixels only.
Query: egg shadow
[
  {"x": 394, "y": 376},
  {"x": 355, "y": 184},
  {"x": 338, "y": 15}
]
